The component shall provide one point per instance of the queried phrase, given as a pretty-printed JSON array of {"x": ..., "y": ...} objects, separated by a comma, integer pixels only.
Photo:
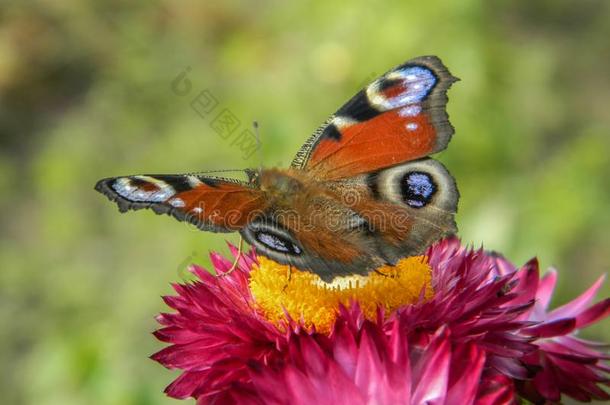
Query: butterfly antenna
[
  {"x": 237, "y": 257},
  {"x": 218, "y": 171},
  {"x": 258, "y": 145}
]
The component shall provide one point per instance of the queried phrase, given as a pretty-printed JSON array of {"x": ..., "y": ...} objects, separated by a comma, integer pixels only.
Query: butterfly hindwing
[
  {"x": 399, "y": 117},
  {"x": 212, "y": 204},
  {"x": 425, "y": 195}
]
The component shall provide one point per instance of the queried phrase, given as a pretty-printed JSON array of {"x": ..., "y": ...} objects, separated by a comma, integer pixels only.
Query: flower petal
[
  {"x": 466, "y": 369},
  {"x": 576, "y": 306},
  {"x": 546, "y": 288},
  {"x": 595, "y": 313},
  {"x": 557, "y": 327},
  {"x": 433, "y": 370}
]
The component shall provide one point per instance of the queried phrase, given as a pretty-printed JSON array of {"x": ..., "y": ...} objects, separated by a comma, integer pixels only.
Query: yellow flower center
[{"x": 279, "y": 289}]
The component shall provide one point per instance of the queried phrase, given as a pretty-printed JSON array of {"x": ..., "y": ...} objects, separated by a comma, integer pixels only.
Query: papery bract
[{"x": 485, "y": 336}]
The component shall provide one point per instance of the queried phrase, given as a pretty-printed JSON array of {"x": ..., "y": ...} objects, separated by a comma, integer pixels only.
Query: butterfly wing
[
  {"x": 374, "y": 153},
  {"x": 211, "y": 204},
  {"x": 415, "y": 204},
  {"x": 399, "y": 117}
]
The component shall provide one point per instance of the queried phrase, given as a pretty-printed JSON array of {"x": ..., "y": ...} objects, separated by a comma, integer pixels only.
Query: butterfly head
[{"x": 253, "y": 176}]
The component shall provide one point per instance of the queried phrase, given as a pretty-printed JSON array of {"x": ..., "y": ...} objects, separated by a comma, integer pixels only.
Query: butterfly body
[{"x": 361, "y": 193}]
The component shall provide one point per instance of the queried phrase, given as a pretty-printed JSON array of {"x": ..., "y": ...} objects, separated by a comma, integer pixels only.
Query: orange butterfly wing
[
  {"x": 212, "y": 204},
  {"x": 399, "y": 117}
]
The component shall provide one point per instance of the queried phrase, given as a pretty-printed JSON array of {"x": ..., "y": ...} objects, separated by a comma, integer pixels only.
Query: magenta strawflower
[
  {"x": 364, "y": 362},
  {"x": 478, "y": 333}
]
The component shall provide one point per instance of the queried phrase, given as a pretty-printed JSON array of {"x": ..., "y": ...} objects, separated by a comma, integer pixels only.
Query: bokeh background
[{"x": 85, "y": 93}]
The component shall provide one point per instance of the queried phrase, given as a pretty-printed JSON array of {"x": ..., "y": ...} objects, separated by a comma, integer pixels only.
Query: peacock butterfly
[{"x": 360, "y": 193}]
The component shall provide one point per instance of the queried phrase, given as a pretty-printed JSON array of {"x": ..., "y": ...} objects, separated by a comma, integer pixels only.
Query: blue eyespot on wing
[
  {"x": 277, "y": 243},
  {"x": 417, "y": 188}
]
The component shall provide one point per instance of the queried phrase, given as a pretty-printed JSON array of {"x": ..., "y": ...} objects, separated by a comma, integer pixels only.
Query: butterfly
[{"x": 362, "y": 191}]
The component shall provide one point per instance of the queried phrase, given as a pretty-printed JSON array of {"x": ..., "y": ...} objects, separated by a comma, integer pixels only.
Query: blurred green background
[{"x": 85, "y": 93}]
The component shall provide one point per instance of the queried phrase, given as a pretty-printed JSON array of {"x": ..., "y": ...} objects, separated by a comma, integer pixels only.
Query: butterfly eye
[
  {"x": 417, "y": 189},
  {"x": 277, "y": 242}
]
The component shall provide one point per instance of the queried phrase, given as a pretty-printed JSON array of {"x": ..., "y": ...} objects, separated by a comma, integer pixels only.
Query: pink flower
[
  {"x": 363, "y": 363},
  {"x": 564, "y": 362},
  {"x": 484, "y": 336},
  {"x": 215, "y": 333}
]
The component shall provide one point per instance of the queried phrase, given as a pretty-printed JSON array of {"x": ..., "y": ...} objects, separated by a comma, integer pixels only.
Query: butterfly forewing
[
  {"x": 211, "y": 204},
  {"x": 399, "y": 117}
]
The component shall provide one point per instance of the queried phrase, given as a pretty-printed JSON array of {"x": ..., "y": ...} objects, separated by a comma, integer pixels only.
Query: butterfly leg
[
  {"x": 381, "y": 273},
  {"x": 234, "y": 266},
  {"x": 288, "y": 277}
]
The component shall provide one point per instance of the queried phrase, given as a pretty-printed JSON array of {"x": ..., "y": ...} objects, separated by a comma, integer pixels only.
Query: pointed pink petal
[
  {"x": 557, "y": 347},
  {"x": 199, "y": 271},
  {"x": 399, "y": 349},
  {"x": 221, "y": 265},
  {"x": 576, "y": 306},
  {"x": 502, "y": 265},
  {"x": 185, "y": 384},
  {"x": 243, "y": 261},
  {"x": 301, "y": 387},
  {"x": 546, "y": 288},
  {"x": 399, "y": 355},
  {"x": 545, "y": 382},
  {"x": 369, "y": 365},
  {"x": 496, "y": 390},
  {"x": 595, "y": 313},
  {"x": 433, "y": 371},
  {"x": 467, "y": 365},
  {"x": 557, "y": 327},
  {"x": 510, "y": 367},
  {"x": 345, "y": 350}
]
